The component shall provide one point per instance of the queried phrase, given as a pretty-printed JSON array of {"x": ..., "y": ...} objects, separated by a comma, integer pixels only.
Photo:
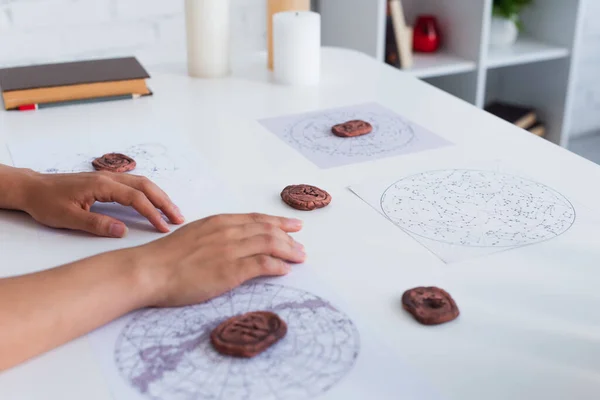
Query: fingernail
[
  {"x": 178, "y": 212},
  {"x": 287, "y": 267},
  {"x": 294, "y": 223},
  {"x": 299, "y": 249},
  {"x": 164, "y": 224},
  {"x": 117, "y": 230},
  {"x": 179, "y": 216}
]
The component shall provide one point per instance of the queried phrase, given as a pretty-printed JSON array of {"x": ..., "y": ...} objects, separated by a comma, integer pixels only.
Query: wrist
[
  {"x": 18, "y": 185},
  {"x": 148, "y": 278}
]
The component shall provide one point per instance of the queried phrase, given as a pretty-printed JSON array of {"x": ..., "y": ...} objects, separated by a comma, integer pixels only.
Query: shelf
[
  {"x": 438, "y": 64},
  {"x": 524, "y": 51}
]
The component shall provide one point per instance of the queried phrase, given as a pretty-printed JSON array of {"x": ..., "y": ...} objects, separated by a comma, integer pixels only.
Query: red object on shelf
[{"x": 426, "y": 34}]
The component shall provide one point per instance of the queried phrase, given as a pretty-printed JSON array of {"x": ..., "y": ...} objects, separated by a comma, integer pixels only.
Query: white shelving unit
[
  {"x": 524, "y": 51},
  {"x": 535, "y": 71},
  {"x": 439, "y": 64}
]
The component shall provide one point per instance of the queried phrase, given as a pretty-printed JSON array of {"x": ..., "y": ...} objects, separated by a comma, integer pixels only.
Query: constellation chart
[
  {"x": 477, "y": 208},
  {"x": 463, "y": 213},
  {"x": 153, "y": 160},
  {"x": 314, "y": 134},
  {"x": 311, "y": 135},
  {"x": 165, "y": 354}
]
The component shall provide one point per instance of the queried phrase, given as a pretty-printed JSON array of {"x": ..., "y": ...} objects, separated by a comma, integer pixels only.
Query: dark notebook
[
  {"x": 521, "y": 116},
  {"x": 71, "y": 73}
]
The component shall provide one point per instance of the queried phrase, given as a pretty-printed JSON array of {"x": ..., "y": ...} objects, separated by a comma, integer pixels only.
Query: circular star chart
[
  {"x": 477, "y": 208},
  {"x": 166, "y": 354},
  {"x": 153, "y": 161},
  {"x": 314, "y": 133}
]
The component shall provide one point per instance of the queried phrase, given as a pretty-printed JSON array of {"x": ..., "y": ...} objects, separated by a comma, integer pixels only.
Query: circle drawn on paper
[
  {"x": 153, "y": 160},
  {"x": 166, "y": 354},
  {"x": 477, "y": 208},
  {"x": 313, "y": 133}
]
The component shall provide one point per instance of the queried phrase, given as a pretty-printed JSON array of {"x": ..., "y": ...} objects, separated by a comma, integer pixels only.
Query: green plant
[{"x": 510, "y": 9}]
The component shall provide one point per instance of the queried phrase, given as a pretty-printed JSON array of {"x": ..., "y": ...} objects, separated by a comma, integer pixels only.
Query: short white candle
[
  {"x": 297, "y": 47},
  {"x": 208, "y": 36}
]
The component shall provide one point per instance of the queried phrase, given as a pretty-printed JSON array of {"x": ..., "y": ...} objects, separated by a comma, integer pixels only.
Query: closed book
[
  {"x": 79, "y": 80},
  {"x": 538, "y": 129},
  {"x": 402, "y": 33},
  {"x": 391, "y": 48},
  {"x": 522, "y": 116}
]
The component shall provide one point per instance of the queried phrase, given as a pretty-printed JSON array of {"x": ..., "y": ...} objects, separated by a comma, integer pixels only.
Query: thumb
[{"x": 98, "y": 224}]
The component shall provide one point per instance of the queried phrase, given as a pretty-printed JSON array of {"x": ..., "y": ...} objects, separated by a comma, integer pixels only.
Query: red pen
[{"x": 30, "y": 107}]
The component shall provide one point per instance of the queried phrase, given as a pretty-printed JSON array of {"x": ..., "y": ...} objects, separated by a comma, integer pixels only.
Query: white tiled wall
[{"x": 57, "y": 30}]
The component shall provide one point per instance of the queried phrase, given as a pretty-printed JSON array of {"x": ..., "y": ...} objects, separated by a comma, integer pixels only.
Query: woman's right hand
[{"x": 211, "y": 256}]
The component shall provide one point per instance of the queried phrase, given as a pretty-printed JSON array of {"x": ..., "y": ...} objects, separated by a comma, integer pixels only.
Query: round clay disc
[
  {"x": 114, "y": 162},
  {"x": 305, "y": 197},
  {"x": 352, "y": 128},
  {"x": 249, "y": 334},
  {"x": 430, "y": 305}
]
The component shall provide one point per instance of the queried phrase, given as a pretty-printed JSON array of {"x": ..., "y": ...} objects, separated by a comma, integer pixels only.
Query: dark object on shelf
[
  {"x": 426, "y": 34},
  {"x": 521, "y": 116},
  {"x": 391, "y": 47}
]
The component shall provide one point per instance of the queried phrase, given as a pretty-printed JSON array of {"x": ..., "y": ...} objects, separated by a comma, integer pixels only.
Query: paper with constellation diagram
[
  {"x": 461, "y": 213},
  {"x": 157, "y": 157},
  {"x": 328, "y": 352},
  {"x": 392, "y": 135},
  {"x": 168, "y": 162}
]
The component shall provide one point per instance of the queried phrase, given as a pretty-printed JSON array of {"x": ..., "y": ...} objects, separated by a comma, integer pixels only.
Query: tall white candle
[
  {"x": 297, "y": 47},
  {"x": 275, "y": 6},
  {"x": 208, "y": 36}
]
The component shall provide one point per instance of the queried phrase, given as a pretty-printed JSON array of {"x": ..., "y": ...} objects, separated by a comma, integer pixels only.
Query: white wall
[
  {"x": 586, "y": 101},
  {"x": 33, "y": 31}
]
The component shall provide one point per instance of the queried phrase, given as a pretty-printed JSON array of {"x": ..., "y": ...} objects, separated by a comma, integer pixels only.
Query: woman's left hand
[{"x": 64, "y": 201}]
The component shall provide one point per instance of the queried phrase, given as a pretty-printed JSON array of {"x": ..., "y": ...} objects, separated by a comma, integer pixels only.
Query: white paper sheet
[
  {"x": 328, "y": 352},
  {"x": 464, "y": 212},
  {"x": 167, "y": 161},
  {"x": 392, "y": 135},
  {"x": 157, "y": 157}
]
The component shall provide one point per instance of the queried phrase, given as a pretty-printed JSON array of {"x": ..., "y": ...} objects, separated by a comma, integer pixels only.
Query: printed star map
[
  {"x": 166, "y": 354},
  {"x": 477, "y": 208}
]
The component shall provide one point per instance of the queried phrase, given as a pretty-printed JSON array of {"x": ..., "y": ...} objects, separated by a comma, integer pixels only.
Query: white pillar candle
[
  {"x": 208, "y": 36},
  {"x": 297, "y": 47},
  {"x": 275, "y": 6}
]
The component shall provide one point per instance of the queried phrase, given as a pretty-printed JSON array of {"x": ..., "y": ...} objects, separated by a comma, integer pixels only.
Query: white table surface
[{"x": 530, "y": 318}]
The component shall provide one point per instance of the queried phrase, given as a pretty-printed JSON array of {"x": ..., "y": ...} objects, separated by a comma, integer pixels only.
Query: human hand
[
  {"x": 64, "y": 201},
  {"x": 214, "y": 255}
]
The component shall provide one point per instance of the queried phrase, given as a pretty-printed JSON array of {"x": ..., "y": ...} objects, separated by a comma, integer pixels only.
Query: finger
[
  {"x": 239, "y": 232},
  {"x": 128, "y": 196},
  {"x": 223, "y": 220},
  {"x": 96, "y": 224},
  {"x": 155, "y": 194},
  {"x": 262, "y": 265},
  {"x": 270, "y": 245}
]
